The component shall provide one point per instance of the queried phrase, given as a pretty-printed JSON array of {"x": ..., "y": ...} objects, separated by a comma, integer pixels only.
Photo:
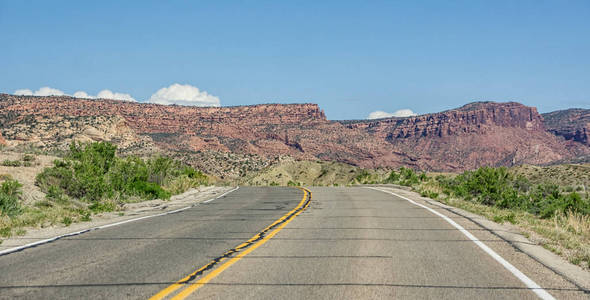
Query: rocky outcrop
[
  {"x": 474, "y": 118},
  {"x": 571, "y": 124},
  {"x": 477, "y": 134},
  {"x": 58, "y": 131}
]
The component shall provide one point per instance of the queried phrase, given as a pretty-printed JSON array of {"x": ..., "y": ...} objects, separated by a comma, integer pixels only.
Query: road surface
[{"x": 343, "y": 243}]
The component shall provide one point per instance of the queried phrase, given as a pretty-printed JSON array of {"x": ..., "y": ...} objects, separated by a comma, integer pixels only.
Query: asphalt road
[{"x": 350, "y": 243}]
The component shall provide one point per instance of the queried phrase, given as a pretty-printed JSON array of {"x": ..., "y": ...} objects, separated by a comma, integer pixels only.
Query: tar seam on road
[
  {"x": 241, "y": 250},
  {"x": 53, "y": 239},
  {"x": 537, "y": 289}
]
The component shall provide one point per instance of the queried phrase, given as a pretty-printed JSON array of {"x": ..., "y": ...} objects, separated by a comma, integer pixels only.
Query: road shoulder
[
  {"x": 131, "y": 212},
  {"x": 512, "y": 235}
]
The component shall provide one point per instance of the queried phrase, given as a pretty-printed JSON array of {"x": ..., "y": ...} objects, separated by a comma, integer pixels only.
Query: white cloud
[
  {"x": 83, "y": 94},
  {"x": 24, "y": 92},
  {"x": 402, "y": 113},
  {"x": 47, "y": 91},
  {"x": 44, "y": 91},
  {"x": 107, "y": 94},
  {"x": 184, "y": 95}
]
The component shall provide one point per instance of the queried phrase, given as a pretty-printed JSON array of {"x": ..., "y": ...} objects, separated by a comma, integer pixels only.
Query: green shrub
[
  {"x": 393, "y": 177},
  {"x": 501, "y": 218},
  {"x": 86, "y": 217},
  {"x": 497, "y": 187},
  {"x": 486, "y": 185},
  {"x": 43, "y": 203},
  {"x": 10, "y": 192},
  {"x": 29, "y": 158},
  {"x": 408, "y": 177},
  {"x": 363, "y": 177},
  {"x": 161, "y": 168},
  {"x": 92, "y": 172},
  {"x": 61, "y": 175},
  {"x": 125, "y": 175},
  {"x": 67, "y": 221},
  {"x": 423, "y": 177},
  {"x": 6, "y": 232},
  {"x": 104, "y": 206},
  {"x": 55, "y": 193},
  {"x": 11, "y": 163},
  {"x": 149, "y": 190}
]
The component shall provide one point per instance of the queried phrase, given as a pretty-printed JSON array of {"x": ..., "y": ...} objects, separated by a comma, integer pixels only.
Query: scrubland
[{"x": 39, "y": 190}]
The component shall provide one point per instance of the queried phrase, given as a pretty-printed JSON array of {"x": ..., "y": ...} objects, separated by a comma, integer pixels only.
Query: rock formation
[
  {"x": 572, "y": 124},
  {"x": 477, "y": 134}
]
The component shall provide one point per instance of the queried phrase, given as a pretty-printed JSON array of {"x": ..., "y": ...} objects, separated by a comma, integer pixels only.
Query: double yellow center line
[{"x": 242, "y": 250}]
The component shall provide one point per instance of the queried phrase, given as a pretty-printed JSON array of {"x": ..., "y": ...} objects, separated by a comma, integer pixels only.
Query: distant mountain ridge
[
  {"x": 477, "y": 134},
  {"x": 573, "y": 124}
]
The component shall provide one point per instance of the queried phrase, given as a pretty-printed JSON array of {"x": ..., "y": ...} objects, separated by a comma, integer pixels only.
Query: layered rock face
[
  {"x": 572, "y": 124},
  {"x": 477, "y": 134},
  {"x": 155, "y": 118},
  {"x": 474, "y": 118}
]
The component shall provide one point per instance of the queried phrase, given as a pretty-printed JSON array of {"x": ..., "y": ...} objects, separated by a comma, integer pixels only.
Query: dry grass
[
  {"x": 37, "y": 210},
  {"x": 566, "y": 234},
  {"x": 44, "y": 215},
  {"x": 26, "y": 174},
  {"x": 570, "y": 175},
  {"x": 316, "y": 173}
]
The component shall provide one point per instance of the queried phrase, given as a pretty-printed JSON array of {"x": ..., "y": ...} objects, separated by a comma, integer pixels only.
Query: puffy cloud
[
  {"x": 184, "y": 95},
  {"x": 44, "y": 91},
  {"x": 47, "y": 91},
  {"x": 402, "y": 113},
  {"x": 82, "y": 94},
  {"x": 107, "y": 94},
  {"x": 24, "y": 92}
]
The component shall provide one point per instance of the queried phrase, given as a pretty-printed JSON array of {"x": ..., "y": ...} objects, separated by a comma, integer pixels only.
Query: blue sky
[{"x": 352, "y": 58}]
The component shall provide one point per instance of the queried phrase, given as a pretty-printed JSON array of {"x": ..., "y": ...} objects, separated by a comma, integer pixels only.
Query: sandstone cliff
[
  {"x": 572, "y": 124},
  {"x": 474, "y": 135}
]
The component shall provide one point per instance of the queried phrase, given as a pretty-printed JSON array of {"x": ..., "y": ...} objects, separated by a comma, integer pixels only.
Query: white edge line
[
  {"x": 232, "y": 190},
  {"x": 33, "y": 244},
  {"x": 521, "y": 276}
]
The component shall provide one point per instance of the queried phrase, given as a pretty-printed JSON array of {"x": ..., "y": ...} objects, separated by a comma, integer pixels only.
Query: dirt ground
[{"x": 26, "y": 175}]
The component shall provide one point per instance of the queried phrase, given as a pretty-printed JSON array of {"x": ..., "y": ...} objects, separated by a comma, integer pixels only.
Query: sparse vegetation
[
  {"x": 11, "y": 163},
  {"x": 26, "y": 161},
  {"x": 405, "y": 177},
  {"x": 91, "y": 178},
  {"x": 10, "y": 191},
  {"x": 558, "y": 216},
  {"x": 497, "y": 187},
  {"x": 93, "y": 173}
]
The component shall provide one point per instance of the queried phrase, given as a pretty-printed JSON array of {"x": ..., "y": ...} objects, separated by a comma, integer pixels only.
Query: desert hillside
[{"x": 477, "y": 134}]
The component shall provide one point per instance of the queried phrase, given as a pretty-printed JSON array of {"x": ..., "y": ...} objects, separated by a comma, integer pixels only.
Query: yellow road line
[{"x": 285, "y": 219}]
